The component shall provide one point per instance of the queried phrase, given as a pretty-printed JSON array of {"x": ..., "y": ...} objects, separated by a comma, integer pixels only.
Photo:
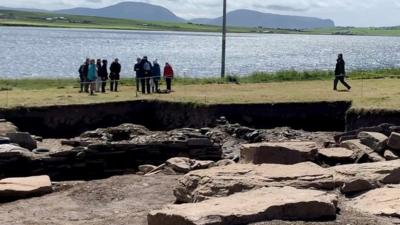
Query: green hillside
[{"x": 35, "y": 19}]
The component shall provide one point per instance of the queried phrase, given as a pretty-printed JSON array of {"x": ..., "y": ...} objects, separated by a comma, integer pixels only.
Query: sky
[{"x": 344, "y": 12}]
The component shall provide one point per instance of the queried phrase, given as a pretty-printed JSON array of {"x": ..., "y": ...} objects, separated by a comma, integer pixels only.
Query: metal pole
[{"x": 223, "y": 41}]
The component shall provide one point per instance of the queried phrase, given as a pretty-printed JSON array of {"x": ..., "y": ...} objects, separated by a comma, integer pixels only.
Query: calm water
[{"x": 33, "y": 52}]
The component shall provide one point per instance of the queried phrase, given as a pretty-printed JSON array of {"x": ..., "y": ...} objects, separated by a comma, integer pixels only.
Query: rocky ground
[
  {"x": 225, "y": 175},
  {"x": 122, "y": 200}
]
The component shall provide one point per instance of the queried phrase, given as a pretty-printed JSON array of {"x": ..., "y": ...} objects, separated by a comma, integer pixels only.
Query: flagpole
[{"x": 223, "y": 41}]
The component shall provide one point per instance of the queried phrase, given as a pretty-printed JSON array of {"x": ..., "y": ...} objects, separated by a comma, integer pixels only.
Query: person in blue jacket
[{"x": 92, "y": 76}]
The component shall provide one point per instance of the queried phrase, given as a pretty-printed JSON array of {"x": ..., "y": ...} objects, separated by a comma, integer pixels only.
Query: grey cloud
[{"x": 282, "y": 8}]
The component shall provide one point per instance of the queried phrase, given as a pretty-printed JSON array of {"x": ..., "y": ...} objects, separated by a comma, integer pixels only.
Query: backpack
[{"x": 147, "y": 66}]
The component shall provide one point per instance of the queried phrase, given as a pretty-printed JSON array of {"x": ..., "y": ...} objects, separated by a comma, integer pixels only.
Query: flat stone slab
[
  {"x": 362, "y": 177},
  {"x": 360, "y": 150},
  {"x": 264, "y": 204},
  {"x": 227, "y": 180},
  {"x": 17, "y": 188},
  {"x": 338, "y": 155},
  {"x": 374, "y": 140},
  {"x": 278, "y": 153},
  {"x": 380, "y": 202},
  {"x": 8, "y": 151},
  {"x": 7, "y": 127}
]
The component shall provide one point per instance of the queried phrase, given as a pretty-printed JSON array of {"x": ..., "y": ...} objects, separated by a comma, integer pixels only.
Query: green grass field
[
  {"x": 35, "y": 19},
  {"x": 377, "y": 89}
]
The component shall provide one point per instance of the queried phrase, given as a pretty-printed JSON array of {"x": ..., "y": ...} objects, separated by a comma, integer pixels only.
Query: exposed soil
[{"x": 123, "y": 200}]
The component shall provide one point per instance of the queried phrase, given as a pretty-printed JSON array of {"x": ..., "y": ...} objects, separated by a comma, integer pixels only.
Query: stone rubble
[{"x": 300, "y": 175}]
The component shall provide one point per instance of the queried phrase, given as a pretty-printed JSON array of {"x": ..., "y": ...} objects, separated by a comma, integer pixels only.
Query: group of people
[
  {"x": 94, "y": 75},
  {"x": 148, "y": 76}
]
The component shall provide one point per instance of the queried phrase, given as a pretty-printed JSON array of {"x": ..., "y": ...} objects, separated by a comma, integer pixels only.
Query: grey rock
[
  {"x": 147, "y": 168},
  {"x": 8, "y": 151},
  {"x": 225, "y": 162},
  {"x": 376, "y": 141},
  {"x": 360, "y": 150},
  {"x": 389, "y": 155},
  {"x": 358, "y": 185},
  {"x": 23, "y": 139},
  {"x": 179, "y": 164},
  {"x": 394, "y": 141},
  {"x": 41, "y": 151},
  {"x": 7, "y": 127}
]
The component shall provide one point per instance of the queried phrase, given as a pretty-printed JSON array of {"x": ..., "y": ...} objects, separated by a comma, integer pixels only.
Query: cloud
[{"x": 282, "y": 8}]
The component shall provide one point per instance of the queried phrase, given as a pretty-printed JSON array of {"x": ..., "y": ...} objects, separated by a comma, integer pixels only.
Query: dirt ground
[{"x": 123, "y": 200}]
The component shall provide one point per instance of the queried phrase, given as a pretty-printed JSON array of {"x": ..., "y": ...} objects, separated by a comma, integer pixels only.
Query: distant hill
[
  {"x": 24, "y": 9},
  {"x": 250, "y": 18},
  {"x": 128, "y": 10}
]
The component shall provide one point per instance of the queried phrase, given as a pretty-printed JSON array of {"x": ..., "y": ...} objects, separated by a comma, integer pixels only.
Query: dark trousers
[
  {"x": 148, "y": 88},
  {"x": 156, "y": 84},
  {"x": 169, "y": 83},
  {"x": 143, "y": 85},
  {"x": 341, "y": 79},
  {"x": 114, "y": 85},
  {"x": 82, "y": 83},
  {"x": 137, "y": 84},
  {"x": 103, "y": 86}
]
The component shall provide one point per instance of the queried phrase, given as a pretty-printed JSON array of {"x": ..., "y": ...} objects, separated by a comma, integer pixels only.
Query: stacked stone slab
[
  {"x": 111, "y": 151},
  {"x": 279, "y": 153},
  {"x": 254, "y": 206}
]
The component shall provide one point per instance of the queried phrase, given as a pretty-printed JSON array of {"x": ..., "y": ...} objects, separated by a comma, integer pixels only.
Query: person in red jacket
[{"x": 168, "y": 75}]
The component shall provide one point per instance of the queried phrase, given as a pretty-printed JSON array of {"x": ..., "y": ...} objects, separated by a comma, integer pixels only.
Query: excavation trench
[{"x": 120, "y": 155}]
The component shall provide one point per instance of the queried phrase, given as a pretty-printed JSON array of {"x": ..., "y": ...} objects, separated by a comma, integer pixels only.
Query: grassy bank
[
  {"x": 254, "y": 78},
  {"x": 378, "y": 89}
]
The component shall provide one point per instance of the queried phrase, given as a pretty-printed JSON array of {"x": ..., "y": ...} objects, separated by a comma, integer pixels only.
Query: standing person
[
  {"x": 340, "y": 73},
  {"x": 98, "y": 79},
  {"x": 147, "y": 73},
  {"x": 115, "y": 70},
  {"x": 92, "y": 76},
  {"x": 169, "y": 76},
  {"x": 83, "y": 74},
  {"x": 138, "y": 73},
  {"x": 103, "y": 74},
  {"x": 156, "y": 72}
]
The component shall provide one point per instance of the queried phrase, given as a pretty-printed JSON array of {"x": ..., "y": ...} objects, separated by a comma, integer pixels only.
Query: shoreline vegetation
[
  {"x": 373, "y": 89},
  {"x": 254, "y": 78},
  {"x": 53, "y": 20}
]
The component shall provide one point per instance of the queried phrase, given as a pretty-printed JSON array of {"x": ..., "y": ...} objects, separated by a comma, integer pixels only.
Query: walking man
[{"x": 340, "y": 73}]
